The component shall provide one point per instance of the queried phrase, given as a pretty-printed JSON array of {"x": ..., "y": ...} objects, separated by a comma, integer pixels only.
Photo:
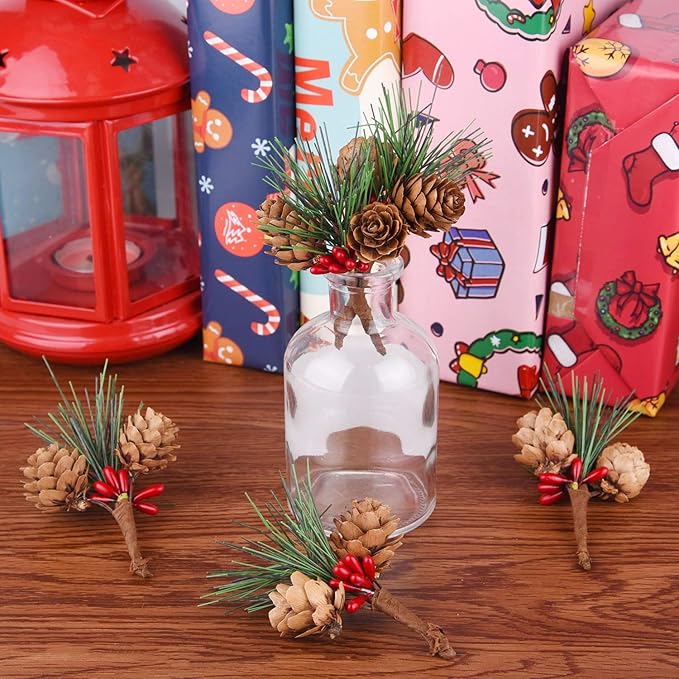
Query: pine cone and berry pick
[
  {"x": 567, "y": 444},
  {"x": 94, "y": 460}
]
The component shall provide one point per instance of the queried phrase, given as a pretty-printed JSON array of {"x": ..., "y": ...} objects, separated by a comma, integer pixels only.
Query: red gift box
[{"x": 614, "y": 297}]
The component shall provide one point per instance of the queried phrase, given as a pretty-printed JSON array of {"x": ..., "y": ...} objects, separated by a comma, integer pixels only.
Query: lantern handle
[{"x": 95, "y": 9}]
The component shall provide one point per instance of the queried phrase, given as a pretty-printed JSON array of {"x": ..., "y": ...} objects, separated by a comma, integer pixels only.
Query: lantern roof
[{"x": 83, "y": 59}]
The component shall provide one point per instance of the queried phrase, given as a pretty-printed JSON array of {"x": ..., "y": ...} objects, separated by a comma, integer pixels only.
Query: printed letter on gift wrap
[{"x": 307, "y": 71}]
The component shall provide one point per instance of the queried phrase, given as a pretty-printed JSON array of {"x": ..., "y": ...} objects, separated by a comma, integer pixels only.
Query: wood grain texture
[{"x": 493, "y": 568}]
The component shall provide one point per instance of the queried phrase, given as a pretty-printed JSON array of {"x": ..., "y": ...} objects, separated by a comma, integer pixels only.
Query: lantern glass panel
[
  {"x": 158, "y": 206},
  {"x": 44, "y": 217}
]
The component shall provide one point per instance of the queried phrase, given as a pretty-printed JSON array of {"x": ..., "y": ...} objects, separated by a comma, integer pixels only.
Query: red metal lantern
[{"x": 100, "y": 249}]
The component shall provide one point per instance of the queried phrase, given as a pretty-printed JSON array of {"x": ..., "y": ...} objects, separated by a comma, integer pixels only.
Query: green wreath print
[{"x": 536, "y": 26}]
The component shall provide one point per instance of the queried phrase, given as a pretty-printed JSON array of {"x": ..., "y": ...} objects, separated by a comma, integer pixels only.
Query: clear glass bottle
[{"x": 361, "y": 400}]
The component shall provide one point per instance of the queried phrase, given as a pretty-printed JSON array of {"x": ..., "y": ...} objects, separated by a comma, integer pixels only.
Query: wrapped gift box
[
  {"x": 614, "y": 297},
  {"x": 242, "y": 82},
  {"x": 345, "y": 52},
  {"x": 495, "y": 64}
]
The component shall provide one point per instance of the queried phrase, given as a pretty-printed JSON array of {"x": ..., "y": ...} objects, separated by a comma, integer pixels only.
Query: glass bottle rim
[{"x": 386, "y": 271}]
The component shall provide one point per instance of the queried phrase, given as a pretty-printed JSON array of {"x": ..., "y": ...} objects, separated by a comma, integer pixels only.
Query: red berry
[
  {"x": 356, "y": 603},
  {"x": 596, "y": 475},
  {"x": 576, "y": 469},
  {"x": 147, "y": 508},
  {"x": 318, "y": 270},
  {"x": 556, "y": 479},
  {"x": 151, "y": 491},
  {"x": 112, "y": 478},
  {"x": 325, "y": 260},
  {"x": 360, "y": 581},
  {"x": 363, "y": 267},
  {"x": 351, "y": 264},
  {"x": 340, "y": 254},
  {"x": 369, "y": 567},
  {"x": 334, "y": 583},
  {"x": 123, "y": 480},
  {"x": 336, "y": 267},
  {"x": 341, "y": 572},
  {"x": 548, "y": 488},
  {"x": 351, "y": 562},
  {"x": 104, "y": 489},
  {"x": 551, "y": 498}
]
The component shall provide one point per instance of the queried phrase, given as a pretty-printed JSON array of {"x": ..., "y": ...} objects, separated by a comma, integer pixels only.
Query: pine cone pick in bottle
[
  {"x": 287, "y": 235},
  {"x": 377, "y": 232},
  {"x": 545, "y": 442},
  {"x": 428, "y": 203},
  {"x": 306, "y": 607},
  {"x": 147, "y": 442},
  {"x": 358, "y": 150},
  {"x": 364, "y": 530},
  {"x": 628, "y": 471},
  {"x": 57, "y": 479}
]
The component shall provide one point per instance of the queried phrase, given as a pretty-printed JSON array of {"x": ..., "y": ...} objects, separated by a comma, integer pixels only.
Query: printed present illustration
[
  {"x": 614, "y": 296},
  {"x": 345, "y": 53},
  {"x": 482, "y": 289},
  {"x": 242, "y": 98}
]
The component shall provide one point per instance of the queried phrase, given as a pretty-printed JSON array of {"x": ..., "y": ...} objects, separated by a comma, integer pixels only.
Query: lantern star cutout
[
  {"x": 123, "y": 59},
  {"x": 3, "y": 56}
]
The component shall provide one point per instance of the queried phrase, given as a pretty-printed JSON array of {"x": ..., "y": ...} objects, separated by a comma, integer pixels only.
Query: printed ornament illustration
[
  {"x": 422, "y": 56},
  {"x": 586, "y": 133},
  {"x": 600, "y": 57},
  {"x": 668, "y": 247},
  {"x": 370, "y": 30},
  {"x": 492, "y": 75},
  {"x": 473, "y": 162},
  {"x": 644, "y": 169},
  {"x": 533, "y": 130},
  {"x": 99, "y": 255},
  {"x": 211, "y": 128},
  {"x": 529, "y": 19},
  {"x": 233, "y": 6},
  {"x": 97, "y": 459},
  {"x": 629, "y": 308},
  {"x": 470, "y": 262},
  {"x": 470, "y": 360},
  {"x": 236, "y": 230},
  {"x": 568, "y": 444},
  {"x": 307, "y": 581}
]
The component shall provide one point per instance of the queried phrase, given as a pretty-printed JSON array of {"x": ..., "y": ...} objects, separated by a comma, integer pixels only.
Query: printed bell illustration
[{"x": 668, "y": 246}]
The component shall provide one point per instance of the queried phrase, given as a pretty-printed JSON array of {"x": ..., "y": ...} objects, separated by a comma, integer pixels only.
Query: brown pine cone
[
  {"x": 428, "y": 203},
  {"x": 628, "y": 471},
  {"x": 306, "y": 607},
  {"x": 357, "y": 151},
  {"x": 546, "y": 444},
  {"x": 377, "y": 232},
  {"x": 295, "y": 250},
  {"x": 147, "y": 442},
  {"x": 57, "y": 479},
  {"x": 364, "y": 530}
]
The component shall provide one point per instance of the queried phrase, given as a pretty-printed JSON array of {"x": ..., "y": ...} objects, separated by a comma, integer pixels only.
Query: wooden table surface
[{"x": 491, "y": 566}]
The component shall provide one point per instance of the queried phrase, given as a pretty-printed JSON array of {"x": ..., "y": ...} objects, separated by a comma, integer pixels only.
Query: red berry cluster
[
  {"x": 338, "y": 261},
  {"x": 552, "y": 486},
  {"x": 118, "y": 484},
  {"x": 357, "y": 576}
]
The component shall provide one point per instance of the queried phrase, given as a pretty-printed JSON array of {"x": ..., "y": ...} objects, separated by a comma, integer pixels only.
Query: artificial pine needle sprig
[
  {"x": 92, "y": 458},
  {"x": 307, "y": 581},
  {"x": 568, "y": 445}
]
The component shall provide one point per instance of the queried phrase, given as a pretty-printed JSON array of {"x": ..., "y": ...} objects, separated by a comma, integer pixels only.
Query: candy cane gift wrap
[{"x": 242, "y": 68}]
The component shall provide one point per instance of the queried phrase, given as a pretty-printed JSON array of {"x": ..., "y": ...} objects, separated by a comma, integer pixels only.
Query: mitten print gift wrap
[
  {"x": 346, "y": 51},
  {"x": 481, "y": 289},
  {"x": 242, "y": 98},
  {"x": 614, "y": 297}
]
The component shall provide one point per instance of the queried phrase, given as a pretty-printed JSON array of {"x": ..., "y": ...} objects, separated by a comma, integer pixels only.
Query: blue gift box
[{"x": 242, "y": 88}]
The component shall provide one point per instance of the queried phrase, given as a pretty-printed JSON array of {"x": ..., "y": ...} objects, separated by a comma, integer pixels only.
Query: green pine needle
[
  {"x": 585, "y": 414},
  {"x": 92, "y": 428},
  {"x": 288, "y": 540}
]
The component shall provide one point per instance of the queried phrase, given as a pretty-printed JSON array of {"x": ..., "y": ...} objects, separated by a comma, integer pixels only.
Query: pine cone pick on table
[
  {"x": 365, "y": 530},
  {"x": 628, "y": 472},
  {"x": 377, "y": 232},
  {"x": 428, "y": 203},
  {"x": 545, "y": 442},
  {"x": 56, "y": 479},
  {"x": 147, "y": 442},
  {"x": 306, "y": 607},
  {"x": 293, "y": 247}
]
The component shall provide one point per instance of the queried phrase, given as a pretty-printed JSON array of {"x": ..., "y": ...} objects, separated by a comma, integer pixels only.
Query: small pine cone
[
  {"x": 295, "y": 250},
  {"x": 364, "y": 530},
  {"x": 546, "y": 444},
  {"x": 147, "y": 443},
  {"x": 377, "y": 232},
  {"x": 57, "y": 479},
  {"x": 306, "y": 607},
  {"x": 428, "y": 203},
  {"x": 357, "y": 151},
  {"x": 628, "y": 471}
]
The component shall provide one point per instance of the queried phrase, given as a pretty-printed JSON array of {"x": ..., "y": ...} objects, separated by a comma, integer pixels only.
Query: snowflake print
[
  {"x": 260, "y": 147},
  {"x": 206, "y": 185},
  {"x": 268, "y": 368},
  {"x": 190, "y": 49},
  {"x": 495, "y": 341}
]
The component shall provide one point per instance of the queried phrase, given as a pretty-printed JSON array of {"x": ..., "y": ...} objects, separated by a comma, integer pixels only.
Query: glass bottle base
[{"x": 334, "y": 489}]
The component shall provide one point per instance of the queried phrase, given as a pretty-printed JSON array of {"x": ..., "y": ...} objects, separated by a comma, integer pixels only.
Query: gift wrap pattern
[
  {"x": 614, "y": 294},
  {"x": 496, "y": 63},
  {"x": 346, "y": 51},
  {"x": 242, "y": 82}
]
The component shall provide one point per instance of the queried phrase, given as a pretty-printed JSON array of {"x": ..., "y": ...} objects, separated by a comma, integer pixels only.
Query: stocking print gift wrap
[
  {"x": 614, "y": 297},
  {"x": 243, "y": 96},
  {"x": 346, "y": 51},
  {"x": 481, "y": 289}
]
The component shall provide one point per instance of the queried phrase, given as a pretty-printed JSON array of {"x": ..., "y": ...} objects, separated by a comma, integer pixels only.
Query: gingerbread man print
[{"x": 370, "y": 29}]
